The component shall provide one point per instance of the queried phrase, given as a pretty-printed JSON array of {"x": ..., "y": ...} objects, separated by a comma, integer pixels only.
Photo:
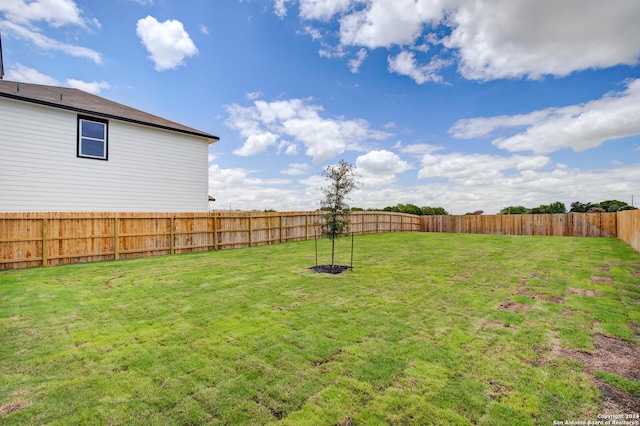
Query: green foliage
[
  {"x": 553, "y": 208},
  {"x": 614, "y": 206},
  {"x": 578, "y": 207},
  {"x": 413, "y": 209},
  {"x": 603, "y": 206},
  {"x": 514, "y": 210},
  {"x": 434, "y": 211}
]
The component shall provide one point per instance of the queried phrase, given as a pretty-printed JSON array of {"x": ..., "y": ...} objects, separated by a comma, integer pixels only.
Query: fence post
[
  {"x": 306, "y": 226},
  {"x": 250, "y": 231},
  {"x": 116, "y": 238},
  {"x": 45, "y": 249},
  {"x": 280, "y": 227},
  {"x": 171, "y": 234},
  {"x": 215, "y": 231}
]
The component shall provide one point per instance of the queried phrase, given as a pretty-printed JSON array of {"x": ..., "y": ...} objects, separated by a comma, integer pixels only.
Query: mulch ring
[
  {"x": 330, "y": 269},
  {"x": 615, "y": 356}
]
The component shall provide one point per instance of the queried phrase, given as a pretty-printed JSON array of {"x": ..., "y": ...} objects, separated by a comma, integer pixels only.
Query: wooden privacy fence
[
  {"x": 567, "y": 225},
  {"x": 48, "y": 239},
  {"x": 629, "y": 227}
]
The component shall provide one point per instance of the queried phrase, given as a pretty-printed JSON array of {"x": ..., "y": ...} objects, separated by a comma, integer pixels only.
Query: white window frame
[{"x": 104, "y": 139}]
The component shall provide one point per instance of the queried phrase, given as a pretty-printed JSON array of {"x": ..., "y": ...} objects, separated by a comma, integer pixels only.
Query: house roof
[{"x": 86, "y": 103}]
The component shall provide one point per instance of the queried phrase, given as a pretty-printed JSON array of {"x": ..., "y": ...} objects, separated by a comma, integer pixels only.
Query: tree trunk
[{"x": 333, "y": 251}]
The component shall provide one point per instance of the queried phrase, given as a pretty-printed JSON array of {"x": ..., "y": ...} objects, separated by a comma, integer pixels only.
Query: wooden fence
[
  {"x": 48, "y": 239},
  {"x": 567, "y": 225},
  {"x": 629, "y": 227}
]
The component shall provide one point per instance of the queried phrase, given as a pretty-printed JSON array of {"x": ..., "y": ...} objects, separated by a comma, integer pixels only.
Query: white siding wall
[{"x": 149, "y": 170}]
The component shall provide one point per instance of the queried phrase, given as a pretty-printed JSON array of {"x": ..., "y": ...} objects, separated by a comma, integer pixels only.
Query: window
[{"x": 92, "y": 138}]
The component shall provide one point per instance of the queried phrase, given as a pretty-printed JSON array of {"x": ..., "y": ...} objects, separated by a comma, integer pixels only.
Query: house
[{"x": 63, "y": 149}]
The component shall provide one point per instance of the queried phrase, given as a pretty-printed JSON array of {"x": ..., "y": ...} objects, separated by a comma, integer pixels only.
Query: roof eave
[{"x": 210, "y": 138}]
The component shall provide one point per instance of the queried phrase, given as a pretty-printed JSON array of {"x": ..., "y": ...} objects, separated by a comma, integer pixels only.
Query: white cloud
[
  {"x": 479, "y": 127},
  {"x": 381, "y": 162},
  {"x": 254, "y": 95},
  {"x": 256, "y": 143},
  {"x": 46, "y": 43},
  {"x": 322, "y": 9},
  {"x": 229, "y": 177},
  {"x": 514, "y": 38},
  {"x": 167, "y": 42},
  {"x": 94, "y": 87},
  {"x": 313, "y": 32},
  {"x": 323, "y": 138},
  {"x": 236, "y": 189},
  {"x": 417, "y": 149},
  {"x": 354, "y": 64},
  {"x": 489, "y": 39},
  {"x": 404, "y": 63},
  {"x": 385, "y": 23},
  {"x": 29, "y": 75},
  {"x": 475, "y": 168},
  {"x": 380, "y": 167},
  {"x": 280, "y": 8},
  {"x": 525, "y": 185},
  {"x": 580, "y": 127},
  {"x": 56, "y": 13},
  {"x": 292, "y": 149},
  {"x": 296, "y": 169},
  {"x": 204, "y": 29}
]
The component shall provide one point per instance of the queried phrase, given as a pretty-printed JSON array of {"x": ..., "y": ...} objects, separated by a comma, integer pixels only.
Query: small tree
[{"x": 341, "y": 181}]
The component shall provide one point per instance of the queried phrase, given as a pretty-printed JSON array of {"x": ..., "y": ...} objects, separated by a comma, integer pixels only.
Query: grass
[{"x": 427, "y": 329}]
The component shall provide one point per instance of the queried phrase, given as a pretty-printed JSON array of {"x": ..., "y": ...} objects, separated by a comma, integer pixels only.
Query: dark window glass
[
  {"x": 92, "y": 129},
  {"x": 92, "y": 148},
  {"x": 92, "y": 138}
]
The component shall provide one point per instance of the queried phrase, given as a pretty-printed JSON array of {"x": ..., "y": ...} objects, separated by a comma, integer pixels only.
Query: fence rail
[{"x": 48, "y": 239}]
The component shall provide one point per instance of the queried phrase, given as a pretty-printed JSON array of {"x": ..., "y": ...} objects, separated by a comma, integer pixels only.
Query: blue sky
[{"x": 461, "y": 104}]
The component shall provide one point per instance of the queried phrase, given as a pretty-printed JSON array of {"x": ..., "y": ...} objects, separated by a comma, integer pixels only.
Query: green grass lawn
[{"x": 427, "y": 329}]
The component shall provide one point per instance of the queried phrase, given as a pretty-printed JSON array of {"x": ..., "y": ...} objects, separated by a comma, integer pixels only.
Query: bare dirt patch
[
  {"x": 12, "y": 406},
  {"x": 616, "y": 401},
  {"x": 523, "y": 290},
  {"x": 611, "y": 355},
  {"x": 582, "y": 291},
  {"x": 515, "y": 307},
  {"x": 599, "y": 279},
  {"x": 617, "y": 356}
]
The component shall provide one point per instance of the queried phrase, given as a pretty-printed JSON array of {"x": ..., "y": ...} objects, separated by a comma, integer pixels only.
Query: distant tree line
[
  {"x": 410, "y": 209},
  {"x": 603, "y": 206},
  {"x": 576, "y": 207}
]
